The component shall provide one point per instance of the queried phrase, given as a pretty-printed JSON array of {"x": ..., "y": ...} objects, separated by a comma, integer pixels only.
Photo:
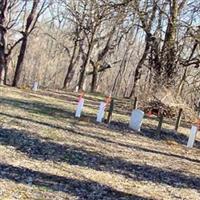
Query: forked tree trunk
[
  {"x": 30, "y": 24},
  {"x": 85, "y": 62},
  {"x": 101, "y": 56}
]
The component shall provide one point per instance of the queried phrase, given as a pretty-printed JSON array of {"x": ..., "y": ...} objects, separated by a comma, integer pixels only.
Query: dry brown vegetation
[
  {"x": 125, "y": 47},
  {"x": 45, "y": 153}
]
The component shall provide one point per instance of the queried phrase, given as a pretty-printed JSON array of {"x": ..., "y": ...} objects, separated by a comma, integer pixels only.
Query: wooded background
[{"x": 124, "y": 47}]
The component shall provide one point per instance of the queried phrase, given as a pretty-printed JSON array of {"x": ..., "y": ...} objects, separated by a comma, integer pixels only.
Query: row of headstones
[
  {"x": 100, "y": 113},
  {"x": 139, "y": 115},
  {"x": 136, "y": 120},
  {"x": 136, "y": 117}
]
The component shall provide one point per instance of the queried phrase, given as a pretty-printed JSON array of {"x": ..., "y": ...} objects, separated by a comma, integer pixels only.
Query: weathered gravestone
[
  {"x": 79, "y": 107},
  {"x": 101, "y": 112},
  {"x": 136, "y": 119},
  {"x": 35, "y": 86},
  {"x": 192, "y": 137}
]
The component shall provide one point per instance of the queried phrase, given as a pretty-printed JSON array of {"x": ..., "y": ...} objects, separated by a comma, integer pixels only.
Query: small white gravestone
[
  {"x": 35, "y": 86},
  {"x": 76, "y": 89},
  {"x": 136, "y": 119},
  {"x": 192, "y": 136},
  {"x": 79, "y": 107},
  {"x": 101, "y": 112}
]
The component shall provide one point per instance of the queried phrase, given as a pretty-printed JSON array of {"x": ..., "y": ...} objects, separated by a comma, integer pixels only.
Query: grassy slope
[{"x": 47, "y": 154}]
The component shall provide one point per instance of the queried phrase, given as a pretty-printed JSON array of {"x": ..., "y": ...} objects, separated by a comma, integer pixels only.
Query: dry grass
[{"x": 45, "y": 153}]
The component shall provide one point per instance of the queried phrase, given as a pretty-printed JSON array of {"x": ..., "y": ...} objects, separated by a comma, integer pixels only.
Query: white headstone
[
  {"x": 192, "y": 136},
  {"x": 79, "y": 108},
  {"x": 136, "y": 119},
  {"x": 76, "y": 90},
  {"x": 101, "y": 112},
  {"x": 35, "y": 86}
]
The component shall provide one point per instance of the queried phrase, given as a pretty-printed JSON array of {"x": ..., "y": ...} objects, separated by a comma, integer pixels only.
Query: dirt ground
[{"x": 45, "y": 153}]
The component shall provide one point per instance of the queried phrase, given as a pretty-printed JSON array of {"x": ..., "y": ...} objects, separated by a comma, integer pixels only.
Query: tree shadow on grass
[
  {"x": 72, "y": 97},
  {"x": 150, "y": 132},
  {"x": 131, "y": 146},
  {"x": 93, "y": 135},
  {"x": 83, "y": 189},
  {"x": 38, "y": 108},
  {"x": 166, "y": 134},
  {"x": 41, "y": 149},
  {"x": 44, "y": 109}
]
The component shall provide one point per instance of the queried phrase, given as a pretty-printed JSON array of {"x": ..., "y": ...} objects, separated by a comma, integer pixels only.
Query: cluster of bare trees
[
  {"x": 17, "y": 21},
  {"x": 119, "y": 46}
]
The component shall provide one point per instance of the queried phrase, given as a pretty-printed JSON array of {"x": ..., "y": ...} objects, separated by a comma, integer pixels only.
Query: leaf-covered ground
[{"x": 45, "y": 153}]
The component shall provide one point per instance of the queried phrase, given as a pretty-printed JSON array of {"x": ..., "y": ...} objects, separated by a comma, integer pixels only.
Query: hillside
[{"x": 45, "y": 153}]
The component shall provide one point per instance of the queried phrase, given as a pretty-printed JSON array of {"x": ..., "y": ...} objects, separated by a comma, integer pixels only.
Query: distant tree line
[{"x": 123, "y": 47}]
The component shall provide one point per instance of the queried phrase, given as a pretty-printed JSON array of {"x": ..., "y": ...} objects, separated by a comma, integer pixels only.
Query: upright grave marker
[
  {"x": 35, "y": 86},
  {"x": 76, "y": 89},
  {"x": 192, "y": 136},
  {"x": 80, "y": 105},
  {"x": 102, "y": 107},
  {"x": 136, "y": 119},
  {"x": 101, "y": 112}
]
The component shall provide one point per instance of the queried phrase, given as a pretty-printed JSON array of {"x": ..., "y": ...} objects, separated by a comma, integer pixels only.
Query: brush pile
[{"x": 156, "y": 107}]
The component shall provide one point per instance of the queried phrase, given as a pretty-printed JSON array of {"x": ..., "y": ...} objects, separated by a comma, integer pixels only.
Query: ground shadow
[
  {"x": 41, "y": 149},
  {"x": 36, "y": 107},
  {"x": 72, "y": 97},
  {"x": 94, "y": 135},
  {"x": 84, "y": 190},
  {"x": 133, "y": 147},
  {"x": 45, "y": 109},
  {"x": 150, "y": 132},
  {"x": 167, "y": 134}
]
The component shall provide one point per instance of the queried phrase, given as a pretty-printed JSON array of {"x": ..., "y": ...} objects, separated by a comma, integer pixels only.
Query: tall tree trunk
[
  {"x": 83, "y": 70},
  {"x": 182, "y": 82},
  {"x": 94, "y": 79},
  {"x": 20, "y": 60},
  {"x": 70, "y": 67},
  {"x": 3, "y": 43},
  {"x": 30, "y": 24},
  {"x": 169, "y": 48},
  {"x": 119, "y": 74},
  {"x": 101, "y": 56},
  {"x": 85, "y": 61},
  {"x": 138, "y": 70}
]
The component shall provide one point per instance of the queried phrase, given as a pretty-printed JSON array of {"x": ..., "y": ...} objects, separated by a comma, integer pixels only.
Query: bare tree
[
  {"x": 3, "y": 42},
  {"x": 29, "y": 27}
]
